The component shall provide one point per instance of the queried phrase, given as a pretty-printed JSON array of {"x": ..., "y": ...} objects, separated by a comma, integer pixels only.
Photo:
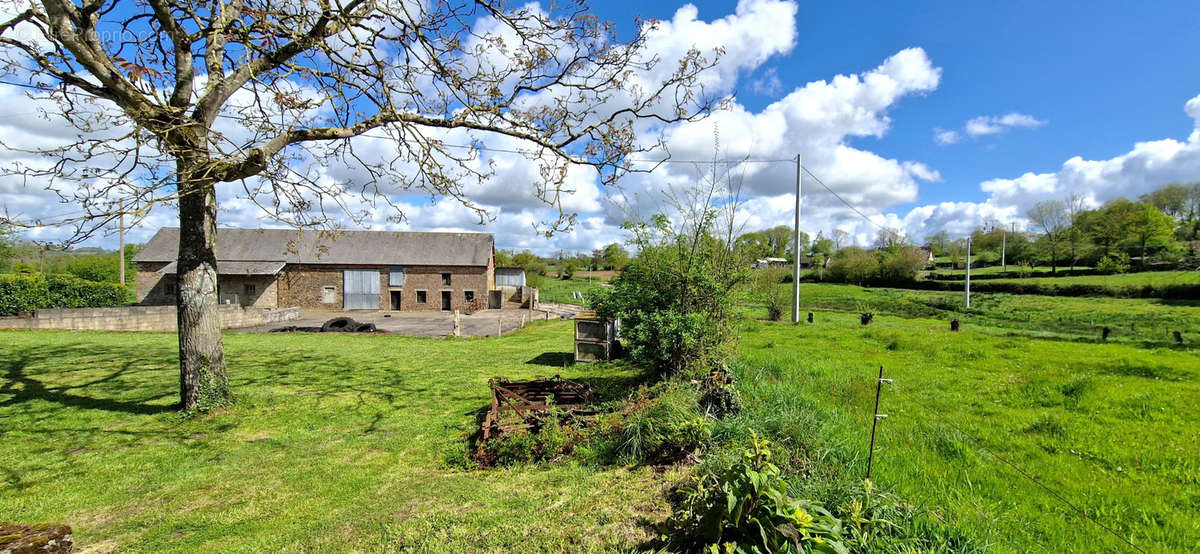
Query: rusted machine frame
[{"x": 528, "y": 399}]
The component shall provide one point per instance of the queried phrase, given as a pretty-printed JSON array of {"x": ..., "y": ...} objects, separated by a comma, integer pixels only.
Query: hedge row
[
  {"x": 1014, "y": 274},
  {"x": 1174, "y": 292},
  {"x": 23, "y": 293}
]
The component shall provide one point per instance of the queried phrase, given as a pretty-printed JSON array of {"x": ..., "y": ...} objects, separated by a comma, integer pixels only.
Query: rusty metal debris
[{"x": 523, "y": 405}]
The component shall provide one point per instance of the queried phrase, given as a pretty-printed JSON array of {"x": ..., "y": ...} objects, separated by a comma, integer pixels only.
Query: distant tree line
[
  {"x": 611, "y": 257},
  {"x": 23, "y": 257},
  {"x": 1161, "y": 227}
]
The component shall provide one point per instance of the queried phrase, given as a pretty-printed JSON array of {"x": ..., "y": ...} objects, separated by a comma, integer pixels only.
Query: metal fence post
[{"x": 875, "y": 420}]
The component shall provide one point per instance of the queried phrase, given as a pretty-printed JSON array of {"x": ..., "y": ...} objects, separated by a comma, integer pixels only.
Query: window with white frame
[{"x": 396, "y": 277}]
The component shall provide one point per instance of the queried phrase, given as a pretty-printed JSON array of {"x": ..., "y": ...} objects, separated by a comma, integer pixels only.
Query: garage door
[{"x": 360, "y": 290}]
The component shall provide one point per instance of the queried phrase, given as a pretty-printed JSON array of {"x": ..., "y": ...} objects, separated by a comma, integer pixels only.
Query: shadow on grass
[
  {"x": 553, "y": 359},
  {"x": 22, "y": 387}
]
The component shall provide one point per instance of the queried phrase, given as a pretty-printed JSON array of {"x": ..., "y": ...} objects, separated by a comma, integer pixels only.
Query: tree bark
[{"x": 203, "y": 384}]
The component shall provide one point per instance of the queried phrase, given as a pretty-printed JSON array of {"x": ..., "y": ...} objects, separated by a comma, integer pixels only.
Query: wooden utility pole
[
  {"x": 121, "y": 255},
  {"x": 796, "y": 251},
  {"x": 967, "y": 287}
]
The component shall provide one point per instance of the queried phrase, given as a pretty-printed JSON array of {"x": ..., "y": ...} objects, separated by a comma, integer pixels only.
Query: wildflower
[{"x": 802, "y": 518}]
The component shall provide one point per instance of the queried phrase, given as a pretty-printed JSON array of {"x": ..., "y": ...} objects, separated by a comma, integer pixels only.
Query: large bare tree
[{"x": 171, "y": 98}]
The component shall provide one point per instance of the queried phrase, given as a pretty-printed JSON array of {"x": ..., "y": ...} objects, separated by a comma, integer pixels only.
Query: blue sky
[
  {"x": 1102, "y": 75},
  {"x": 1031, "y": 100}
]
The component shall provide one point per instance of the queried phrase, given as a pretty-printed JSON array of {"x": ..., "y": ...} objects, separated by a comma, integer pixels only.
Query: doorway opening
[
  {"x": 445, "y": 301},
  {"x": 397, "y": 296}
]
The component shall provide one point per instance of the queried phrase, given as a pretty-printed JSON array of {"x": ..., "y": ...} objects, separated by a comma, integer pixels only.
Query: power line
[{"x": 839, "y": 197}]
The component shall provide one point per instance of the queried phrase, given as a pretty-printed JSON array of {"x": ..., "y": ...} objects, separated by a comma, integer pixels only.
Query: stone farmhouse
[{"x": 341, "y": 270}]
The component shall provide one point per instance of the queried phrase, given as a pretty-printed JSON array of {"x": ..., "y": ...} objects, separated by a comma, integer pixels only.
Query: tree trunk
[{"x": 203, "y": 384}]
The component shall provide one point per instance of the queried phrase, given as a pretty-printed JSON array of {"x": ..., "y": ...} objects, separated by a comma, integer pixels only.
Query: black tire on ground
[
  {"x": 339, "y": 324},
  {"x": 364, "y": 328}
]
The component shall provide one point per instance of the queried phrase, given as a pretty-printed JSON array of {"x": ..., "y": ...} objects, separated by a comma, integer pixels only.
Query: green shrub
[
  {"x": 766, "y": 285},
  {"x": 750, "y": 507},
  {"x": 675, "y": 308},
  {"x": 893, "y": 266},
  {"x": 22, "y": 293},
  {"x": 852, "y": 265},
  {"x": 746, "y": 509},
  {"x": 1115, "y": 264},
  {"x": 665, "y": 424}
]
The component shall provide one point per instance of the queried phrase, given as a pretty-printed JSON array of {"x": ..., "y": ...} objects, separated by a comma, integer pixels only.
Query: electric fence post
[{"x": 875, "y": 420}]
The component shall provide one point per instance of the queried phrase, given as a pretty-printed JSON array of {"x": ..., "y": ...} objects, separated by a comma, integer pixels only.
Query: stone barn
[{"x": 332, "y": 270}]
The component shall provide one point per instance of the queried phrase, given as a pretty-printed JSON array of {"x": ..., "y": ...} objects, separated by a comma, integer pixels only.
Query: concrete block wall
[{"x": 138, "y": 318}]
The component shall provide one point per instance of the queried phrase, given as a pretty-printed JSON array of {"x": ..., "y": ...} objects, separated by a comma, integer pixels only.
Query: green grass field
[
  {"x": 1154, "y": 278},
  {"x": 356, "y": 443},
  {"x": 1146, "y": 321},
  {"x": 338, "y": 443},
  {"x": 552, "y": 289},
  {"x": 992, "y": 270},
  {"x": 1112, "y": 427}
]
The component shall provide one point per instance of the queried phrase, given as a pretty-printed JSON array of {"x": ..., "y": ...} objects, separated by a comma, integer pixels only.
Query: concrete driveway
[{"x": 486, "y": 323}]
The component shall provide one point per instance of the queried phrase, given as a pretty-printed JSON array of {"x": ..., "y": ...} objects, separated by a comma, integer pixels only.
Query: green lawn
[
  {"x": 356, "y": 443},
  {"x": 552, "y": 289},
  {"x": 1113, "y": 427},
  {"x": 338, "y": 443}
]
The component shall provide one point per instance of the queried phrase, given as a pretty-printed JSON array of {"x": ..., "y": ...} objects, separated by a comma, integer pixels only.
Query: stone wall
[
  {"x": 320, "y": 287},
  {"x": 305, "y": 286},
  {"x": 139, "y": 318},
  {"x": 257, "y": 291},
  {"x": 156, "y": 289},
  {"x": 428, "y": 279},
  {"x": 152, "y": 286}
]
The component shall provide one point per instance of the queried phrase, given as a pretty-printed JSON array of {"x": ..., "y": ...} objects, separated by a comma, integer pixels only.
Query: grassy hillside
[
  {"x": 552, "y": 289},
  {"x": 1154, "y": 278},
  {"x": 1146, "y": 321}
]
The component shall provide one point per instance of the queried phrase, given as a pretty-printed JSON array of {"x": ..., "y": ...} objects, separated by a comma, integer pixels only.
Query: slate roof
[
  {"x": 235, "y": 268},
  {"x": 336, "y": 247}
]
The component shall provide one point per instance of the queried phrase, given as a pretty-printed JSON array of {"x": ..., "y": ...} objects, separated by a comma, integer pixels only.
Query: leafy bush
[
  {"x": 674, "y": 303},
  {"x": 1114, "y": 264},
  {"x": 100, "y": 269},
  {"x": 746, "y": 509},
  {"x": 1024, "y": 270},
  {"x": 21, "y": 293},
  {"x": 749, "y": 507},
  {"x": 852, "y": 265},
  {"x": 899, "y": 265},
  {"x": 894, "y": 266},
  {"x": 766, "y": 285}
]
